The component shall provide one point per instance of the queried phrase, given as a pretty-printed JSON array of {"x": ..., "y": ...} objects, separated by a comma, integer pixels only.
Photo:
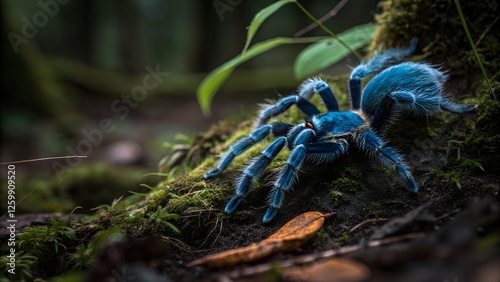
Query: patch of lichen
[{"x": 432, "y": 22}]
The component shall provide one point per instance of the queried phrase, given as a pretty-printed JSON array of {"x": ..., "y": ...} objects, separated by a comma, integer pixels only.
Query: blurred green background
[{"x": 67, "y": 66}]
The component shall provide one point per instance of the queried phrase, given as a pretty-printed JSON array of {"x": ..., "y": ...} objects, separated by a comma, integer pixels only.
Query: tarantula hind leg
[
  {"x": 375, "y": 65},
  {"x": 388, "y": 157},
  {"x": 456, "y": 108}
]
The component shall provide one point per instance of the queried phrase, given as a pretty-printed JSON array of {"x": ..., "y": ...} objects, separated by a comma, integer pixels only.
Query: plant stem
[
  {"x": 329, "y": 32},
  {"x": 464, "y": 24}
]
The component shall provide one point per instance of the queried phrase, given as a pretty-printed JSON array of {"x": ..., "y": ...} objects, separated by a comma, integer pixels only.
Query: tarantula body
[{"x": 411, "y": 88}]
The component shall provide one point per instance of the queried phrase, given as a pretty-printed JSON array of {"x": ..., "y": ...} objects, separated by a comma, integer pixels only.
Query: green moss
[
  {"x": 336, "y": 197},
  {"x": 431, "y": 23},
  {"x": 202, "y": 199},
  {"x": 470, "y": 165},
  {"x": 451, "y": 176},
  {"x": 48, "y": 238},
  {"x": 348, "y": 181},
  {"x": 371, "y": 207},
  {"x": 85, "y": 255},
  {"x": 23, "y": 266}
]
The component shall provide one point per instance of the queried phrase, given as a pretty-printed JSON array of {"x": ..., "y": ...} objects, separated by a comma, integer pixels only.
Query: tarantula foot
[
  {"x": 270, "y": 214},
  {"x": 456, "y": 108},
  {"x": 232, "y": 204},
  {"x": 212, "y": 173}
]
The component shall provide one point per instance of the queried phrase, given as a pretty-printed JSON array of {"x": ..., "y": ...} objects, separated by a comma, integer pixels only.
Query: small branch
[
  {"x": 329, "y": 32},
  {"x": 486, "y": 31},
  {"x": 448, "y": 214},
  {"x": 324, "y": 18},
  {"x": 368, "y": 221},
  {"x": 258, "y": 269},
  {"x": 42, "y": 159}
]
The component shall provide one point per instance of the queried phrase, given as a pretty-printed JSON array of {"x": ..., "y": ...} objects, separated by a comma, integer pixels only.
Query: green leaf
[
  {"x": 260, "y": 17},
  {"x": 213, "y": 81},
  {"x": 327, "y": 52}
]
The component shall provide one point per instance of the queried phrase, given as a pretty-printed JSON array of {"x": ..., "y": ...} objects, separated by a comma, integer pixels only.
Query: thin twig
[
  {"x": 25, "y": 197},
  {"x": 261, "y": 268},
  {"x": 486, "y": 31},
  {"x": 368, "y": 221},
  {"x": 324, "y": 18},
  {"x": 448, "y": 214},
  {"x": 42, "y": 159},
  {"x": 329, "y": 32}
]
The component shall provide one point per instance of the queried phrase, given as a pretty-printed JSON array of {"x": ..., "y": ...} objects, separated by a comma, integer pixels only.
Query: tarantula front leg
[
  {"x": 306, "y": 90},
  {"x": 253, "y": 171},
  {"x": 388, "y": 157},
  {"x": 278, "y": 129},
  {"x": 283, "y": 105},
  {"x": 319, "y": 152},
  {"x": 375, "y": 65}
]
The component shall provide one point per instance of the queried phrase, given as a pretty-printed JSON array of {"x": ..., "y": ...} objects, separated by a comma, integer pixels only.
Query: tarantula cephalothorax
[{"x": 412, "y": 88}]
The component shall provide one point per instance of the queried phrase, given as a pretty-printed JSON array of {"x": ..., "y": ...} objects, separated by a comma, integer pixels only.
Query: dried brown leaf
[{"x": 289, "y": 237}]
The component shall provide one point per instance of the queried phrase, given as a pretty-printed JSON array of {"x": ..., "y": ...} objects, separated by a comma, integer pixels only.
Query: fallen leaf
[
  {"x": 300, "y": 228},
  {"x": 290, "y": 236},
  {"x": 336, "y": 269}
]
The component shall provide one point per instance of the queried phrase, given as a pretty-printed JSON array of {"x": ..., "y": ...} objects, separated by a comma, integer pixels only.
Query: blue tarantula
[{"x": 412, "y": 88}]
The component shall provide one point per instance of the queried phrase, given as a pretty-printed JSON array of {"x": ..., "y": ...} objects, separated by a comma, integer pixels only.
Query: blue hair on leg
[
  {"x": 284, "y": 181},
  {"x": 384, "y": 60},
  {"x": 355, "y": 92},
  {"x": 388, "y": 157},
  {"x": 281, "y": 128},
  {"x": 274, "y": 110},
  {"x": 253, "y": 171},
  {"x": 238, "y": 148},
  {"x": 284, "y": 104},
  {"x": 374, "y": 65},
  {"x": 388, "y": 110},
  {"x": 317, "y": 85},
  {"x": 455, "y": 108},
  {"x": 325, "y": 151}
]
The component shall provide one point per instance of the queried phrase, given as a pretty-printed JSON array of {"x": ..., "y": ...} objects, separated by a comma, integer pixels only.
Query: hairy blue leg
[
  {"x": 317, "y": 85},
  {"x": 455, "y": 108},
  {"x": 284, "y": 104},
  {"x": 388, "y": 157},
  {"x": 318, "y": 152},
  {"x": 355, "y": 92},
  {"x": 253, "y": 171},
  {"x": 323, "y": 152},
  {"x": 245, "y": 143},
  {"x": 375, "y": 65},
  {"x": 289, "y": 173},
  {"x": 387, "y": 109}
]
